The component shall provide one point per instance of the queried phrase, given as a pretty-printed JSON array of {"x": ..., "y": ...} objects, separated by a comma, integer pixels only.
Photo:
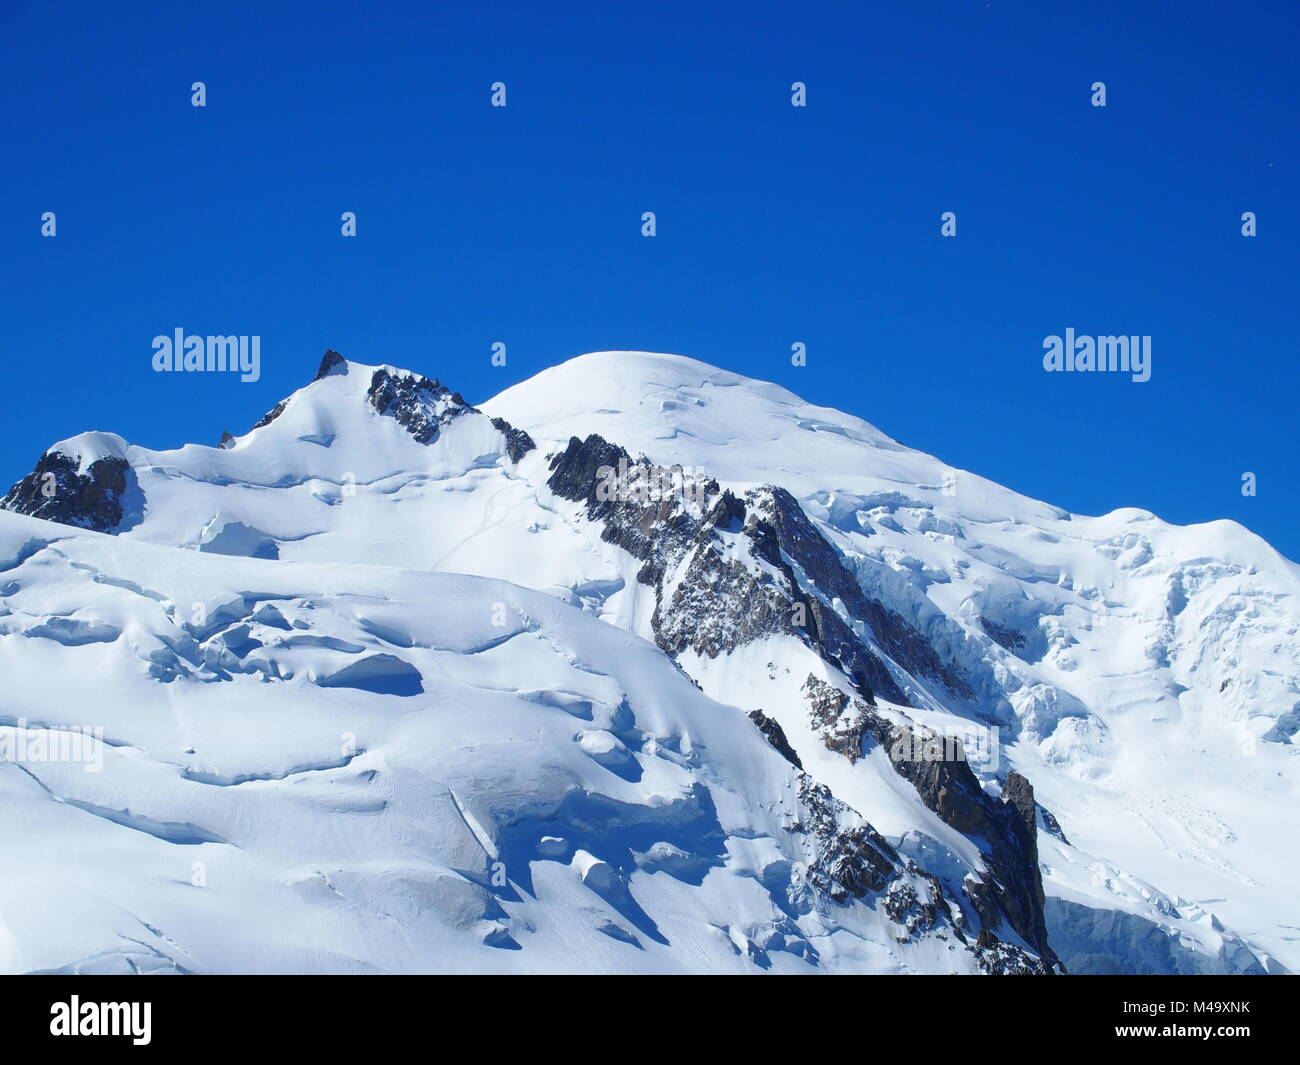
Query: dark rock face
[
  {"x": 226, "y": 441},
  {"x": 332, "y": 363},
  {"x": 717, "y": 602},
  {"x": 423, "y": 407},
  {"x": 1018, "y": 793},
  {"x": 1006, "y": 830},
  {"x": 575, "y": 476},
  {"x": 849, "y": 863},
  {"x": 775, "y": 735},
  {"x": 1013, "y": 884},
  {"x": 1048, "y": 822},
  {"x": 843, "y": 727},
  {"x": 657, "y": 532},
  {"x": 55, "y": 491},
  {"x": 271, "y": 415},
  {"x": 856, "y": 862},
  {"x": 792, "y": 533},
  {"x": 518, "y": 442}
]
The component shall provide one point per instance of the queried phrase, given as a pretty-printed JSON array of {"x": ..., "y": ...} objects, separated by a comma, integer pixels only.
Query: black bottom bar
[{"x": 365, "y": 1014}]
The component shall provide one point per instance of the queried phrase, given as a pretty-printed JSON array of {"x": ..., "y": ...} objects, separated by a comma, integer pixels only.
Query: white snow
[{"x": 1157, "y": 669}]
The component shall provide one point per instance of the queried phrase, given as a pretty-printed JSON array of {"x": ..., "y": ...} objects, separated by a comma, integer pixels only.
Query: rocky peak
[{"x": 332, "y": 363}]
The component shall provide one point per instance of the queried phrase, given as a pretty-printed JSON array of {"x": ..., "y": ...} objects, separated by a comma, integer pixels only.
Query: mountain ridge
[{"x": 1099, "y": 654}]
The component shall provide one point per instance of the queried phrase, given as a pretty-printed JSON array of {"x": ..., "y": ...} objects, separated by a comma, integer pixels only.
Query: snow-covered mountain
[{"x": 394, "y": 683}]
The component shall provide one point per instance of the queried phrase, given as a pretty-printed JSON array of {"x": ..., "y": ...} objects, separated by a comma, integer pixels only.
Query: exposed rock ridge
[
  {"x": 57, "y": 490},
  {"x": 1006, "y": 830},
  {"x": 711, "y": 601},
  {"x": 424, "y": 407},
  {"x": 851, "y": 860}
]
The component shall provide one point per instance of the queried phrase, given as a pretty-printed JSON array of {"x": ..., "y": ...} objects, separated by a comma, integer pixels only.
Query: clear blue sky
[{"x": 775, "y": 224}]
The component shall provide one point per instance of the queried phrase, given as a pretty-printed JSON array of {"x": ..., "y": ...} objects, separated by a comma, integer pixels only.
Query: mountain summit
[{"x": 837, "y": 706}]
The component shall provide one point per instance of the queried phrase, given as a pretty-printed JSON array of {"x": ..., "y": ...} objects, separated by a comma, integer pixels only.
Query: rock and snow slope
[
  {"x": 345, "y": 768},
  {"x": 382, "y": 764}
]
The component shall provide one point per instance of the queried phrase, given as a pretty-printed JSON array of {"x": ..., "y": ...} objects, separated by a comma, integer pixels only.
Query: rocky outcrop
[
  {"x": 1048, "y": 823},
  {"x": 712, "y": 599},
  {"x": 842, "y": 723},
  {"x": 1012, "y": 886},
  {"x": 1006, "y": 830},
  {"x": 716, "y": 600},
  {"x": 518, "y": 442},
  {"x": 422, "y": 406},
  {"x": 851, "y": 860},
  {"x": 425, "y": 407},
  {"x": 270, "y": 416},
  {"x": 781, "y": 536},
  {"x": 57, "y": 490},
  {"x": 775, "y": 735},
  {"x": 331, "y": 363},
  {"x": 913, "y": 913},
  {"x": 848, "y": 863},
  {"x": 997, "y": 958},
  {"x": 784, "y": 529}
]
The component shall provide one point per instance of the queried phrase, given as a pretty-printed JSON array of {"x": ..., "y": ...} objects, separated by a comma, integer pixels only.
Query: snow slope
[
  {"x": 305, "y": 768},
  {"x": 1142, "y": 676},
  {"x": 1157, "y": 680}
]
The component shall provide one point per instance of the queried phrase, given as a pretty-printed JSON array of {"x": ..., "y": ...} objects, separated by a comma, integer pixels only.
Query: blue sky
[{"x": 775, "y": 224}]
